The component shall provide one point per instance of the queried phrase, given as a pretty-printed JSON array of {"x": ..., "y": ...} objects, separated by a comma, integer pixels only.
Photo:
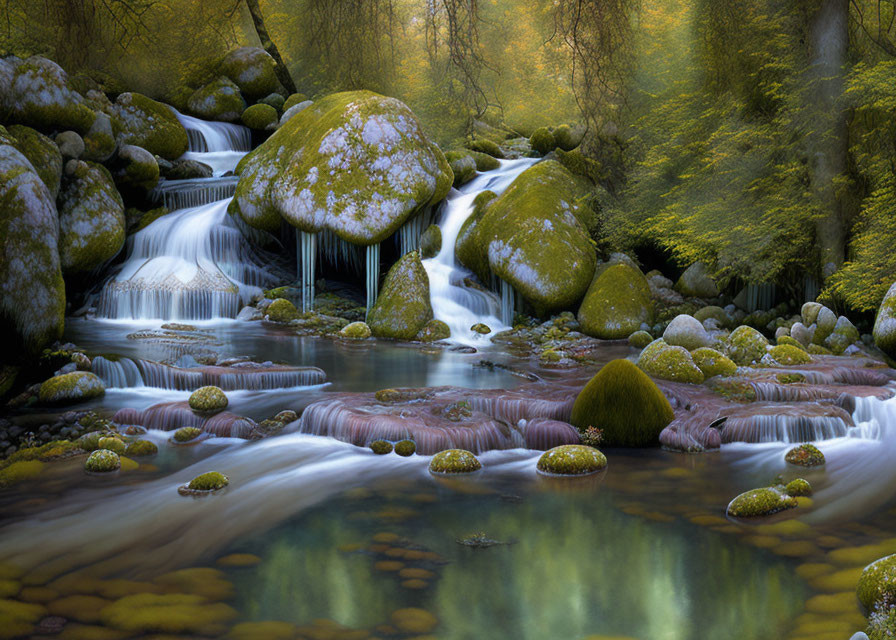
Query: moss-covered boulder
[
  {"x": 696, "y": 282},
  {"x": 141, "y": 448},
  {"x": 787, "y": 354},
  {"x": 293, "y": 99},
  {"x": 825, "y": 321},
  {"x": 71, "y": 144},
  {"x": 844, "y": 334},
  {"x": 481, "y": 328},
  {"x": 111, "y": 443},
  {"x": 805, "y": 455},
  {"x": 713, "y": 312},
  {"x": 275, "y": 100},
  {"x": 885, "y": 323},
  {"x": 218, "y": 100},
  {"x": 760, "y": 502},
  {"x": 99, "y": 141},
  {"x": 453, "y": 461},
  {"x": 403, "y": 307},
  {"x": 405, "y": 448},
  {"x": 469, "y": 248},
  {"x": 686, "y": 331},
  {"x": 145, "y": 123},
  {"x": 205, "y": 483},
  {"x": 42, "y": 153},
  {"x": 534, "y": 238},
  {"x": 486, "y": 146},
  {"x": 625, "y": 404},
  {"x": 484, "y": 162},
  {"x": 293, "y": 111},
  {"x": 567, "y": 137},
  {"x": 798, "y": 488},
  {"x": 71, "y": 387},
  {"x": 102, "y": 461},
  {"x": 137, "y": 168},
  {"x": 712, "y": 363},
  {"x": 431, "y": 242},
  {"x": 746, "y": 346},
  {"x": 355, "y": 331},
  {"x": 571, "y": 460},
  {"x": 381, "y": 447},
  {"x": 91, "y": 217},
  {"x": 260, "y": 117},
  {"x": 41, "y": 97},
  {"x": 616, "y": 304},
  {"x": 669, "y": 363},
  {"x": 186, "y": 434},
  {"x": 252, "y": 69},
  {"x": 208, "y": 399},
  {"x": 355, "y": 163},
  {"x": 7, "y": 73},
  {"x": 542, "y": 141},
  {"x": 462, "y": 165},
  {"x": 282, "y": 310},
  {"x": 166, "y": 613},
  {"x": 877, "y": 585},
  {"x": 433, "y": 331}
]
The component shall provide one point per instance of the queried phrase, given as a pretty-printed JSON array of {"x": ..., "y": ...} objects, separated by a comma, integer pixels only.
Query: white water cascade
[
  {"x": 458, "y": 306},
  {"x": 220, "y": 145}
]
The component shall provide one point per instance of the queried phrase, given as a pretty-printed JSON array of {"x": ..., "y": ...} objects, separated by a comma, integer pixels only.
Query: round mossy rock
[
  {"x": 453, "y": 461},
  {"x": 798, "y": 488},
  {"x": 71, "y": 387},
  {"x": 805, "y": 455},
  {"x": 260, "y": 117},
  {"x": 760, "y": 502},
  {"x": 715, "y": 313},
  {"x": 42, "y": 153},
  {"x": 616, "y": 304},
  {"x": 542, "y": 141},
  {"x": 151, "y": 125},
  {"x": 746, "y": 346},
  {"x": 112, "y": 444},
  {"x": 696, "y": 282},
  {"x": 483, "y": 145},
  {"x": 138, "y": 168},
  {"x": 787, "y": 354},
  {"x": 42, "y": 97},
  {"x": 355, "y": 331},
  {"x": 293, "y": 99},
  {"x": 403, "y": 307},
  {"x": 209, "y": 481},
  {"x": 381, "y": 447},
  {"x": 252, "y": 69},
  {"x": 640, "y": 339},
  {"x": 671, "y": 363},
  {"x": 625, "y": 404},
  {"x": 282, "y": 310},
  {"x": 186, "y": 434},
  {"x": 433, "y": 331},
  {"x": 141, "y": 448},
  {"x": 463, "y": 166},
  {"x": 218, "y": 100},
  {"x": 102, "y": 461},
  {"x": 877, "y": 584},
  {"x": 481, "y": 329},
  {"x": 405, "y": 448},
  {"x": 571, "y": 460},
  {"x": 712, "y": 363},
  {"x": 209, "y": 398}
]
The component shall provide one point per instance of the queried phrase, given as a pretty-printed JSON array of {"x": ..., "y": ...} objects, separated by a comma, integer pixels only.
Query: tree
[{"x": 268, "y": 45}]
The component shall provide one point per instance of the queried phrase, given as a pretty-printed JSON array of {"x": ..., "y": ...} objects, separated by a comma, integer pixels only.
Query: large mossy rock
[
  {"x": 260, "y": 117},
  {"x": 885, "y": 323},
  {"x": 469, "y": 249},
  {"x": 668, "y": 362},
  {"x": 218, "y": 100},
  {"x": 877, "y": 585},
  {"x": 625, "y": 404},
  {"x": 534, "y": 238},
  {"x": 696, "y": 282},
  {"x": 616, "y": 304},
  {"x": 42, "y": 153},
  {"x": 71, "y": 387},
  {"x": 354, "y": 163},
  {"x": 91, "y": 217},
  {"x": 41, "y": 97},
  {"x": 746, "y": 345},
  {"x": 403, "y": 307},
  {"x": 252, "y": 69},
  {"x": 145, "y": 123},
  {"x": 136, "y": 168},
  {"x": 33, "y": 292}
]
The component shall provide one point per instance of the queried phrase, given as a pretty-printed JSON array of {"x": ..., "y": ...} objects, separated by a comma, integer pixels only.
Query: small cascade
[
  {"x": 875, "y": 419},
  {"x": 508, "y": 303},
  {"x": 372, "y": 273},
  {"x": 122, "y": 373},
  {"x": 306, "y": 253},
  {"x": 785, "y": 428},
  {"x": 185, "y": 194},
  {"x": 460, "y": 306},
  {"x": 220, "y": 145}
]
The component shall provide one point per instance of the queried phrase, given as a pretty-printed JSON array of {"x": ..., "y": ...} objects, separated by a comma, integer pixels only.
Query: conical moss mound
[{"x": 623, "y": 402}]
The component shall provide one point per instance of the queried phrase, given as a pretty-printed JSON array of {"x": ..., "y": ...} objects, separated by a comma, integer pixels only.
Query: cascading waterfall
[
  {"x": 372, "y": 273},
  {"x": 220, "y": 145},
  {"x": 184, "y": 194},
  {"x": 307, "y": 255},
  {"x": 461, "y": 307}
]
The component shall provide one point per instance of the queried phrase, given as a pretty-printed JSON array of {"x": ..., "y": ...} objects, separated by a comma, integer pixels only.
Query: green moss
[
  {"x": 625, "y": 404},
  {"x": 567, "y": 138},
  {"x": 798, "y": 487},
  {"x": 42, "y": 153},
  {"x": 483, "y": 145},
  {"x": 712, "y": 363},
  {"x": 640, "y": 339},
  {"x": 218, "y": 100},
  {"x": 140, "y": 168},
  {"x": 790, "y": 378},
  {"x": 142, "y": 448},
  {"x": 462, "y": 165},
  {"x": 209, "y": 398},
  {"x": 252, "y": 69},
  {"x": 381, "y": 447},
  {"x": 818, "y": 350},
  {"x": 102, "y": 461},
  {"x": 403, "y": 307},
  {"x": 151, "y": 216},
  {"x": 760, "y": 502},
  {"x": 71, "y": 387},
  {"x": 293, "y": 100},
  {"x": 571, "y": 460},
  {"x": 261, "y": 117},
  {"x": 431, "y": 242},
  {"x": 616, "y": 304},
  {"x": 746, "y": 345},
  {"x": 579, "y": 164},
  {"x": 481, "y": 329},
  {"x": 143, "y": 122},
  {"x": 433, "y": 331},
  {"x": 166, "y": 613},
  {"x": 877, "y": 585},
  {"x": 282, "y": 310},
  {"x": 734, "y": 390},
  {"x": 405, "y": 448},
  {"x": 787, "y": 354},
  {"x": 453, "y": 461},
  {"x": 484, "y": 162},
  {"x": 112, "y": 444},
  {"x": 20, "y": 471},
  {"x": 187, "y": 434},
  {"x": 469, "y": 248},
  {"x": 805, "y": 455},
  {"x": 792, "y": 342},
  {"x": 19, "y": 618},
  {"x": 355, "y": 331},
  {"x": 882, "y": 624},
  {"x": 210, "y": 481},
  {"x": 542, "y": 141},
  {"x": 672, "y": 363}
]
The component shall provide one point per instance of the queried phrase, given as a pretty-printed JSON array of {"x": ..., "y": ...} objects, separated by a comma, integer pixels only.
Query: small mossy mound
[
  {"x": 433, "y": 331},
  {"x": 462, "y": 165},
  {"x": 260, "y": 117},
  {"x": 671, "y": 363},
  {"x": 186, "y": 434},
  {"x": 293, "y": 99},
  {"x": 571, "y": 460},
  {"x": 431, "y": 242},
  {"x": 486, "y": 146},
  {"x": 381, "y": 447},
  {"x": 787, "y": 354},
  {"x": 805, "y": 455},
  {"x": 760, "y": 502},
  {"x": 454, "y": 461},
  {"x": 712, "y": 363},
  {"x": 877, "y": 585},
  {"x": 355, "y": 331},
  {"x": 640, "y": 339},
  {"x": 209, "y": 481},
  {"x": 71, "y": 387},
  {"x": 218, "y": 100},
  {"x": 542, "y": 141},
  {"x": 112, "y": 444},
  {"x": 171, "y": 613},
  {"x": 282, "y": 310},
  {"x": 102, "y": 461},
  {"x": 616, "y": 304},
  {"x": 208, "y": 399},
  {"x": 405, "y": 448},
  {"x": 798, "y": 488},
  {"x": 625, "y": 404},
  {"x": 403, "y": 307},
  {"x": 484, "y": 162},
  {"x": 746, "y": 345},
  {"x": 481, "y": 329},
  {"x": 792, "y": 342},
  {"x": 141, "y": 448},
  {"x": 568, "y": 138},
  {"x": 252, "y": 69}
]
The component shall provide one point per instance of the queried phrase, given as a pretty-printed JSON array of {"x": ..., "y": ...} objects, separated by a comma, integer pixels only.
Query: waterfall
[
  {"x": 461, "y": 307},
  {"x": 183, "y": 194},
  {"x": 372, "y": 274},
  {"x": 220, "y": 145},
  {"x": 306, "y": 253}
]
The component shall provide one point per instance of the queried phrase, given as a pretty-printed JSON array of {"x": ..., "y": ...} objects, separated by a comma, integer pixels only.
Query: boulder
[
  {"x": 41, "y": 97},
  {"x": 617, "y": 303},
  {"x": 275, "y": 100},
  {"x": 760, "y": 502},
  {"x": 260, "y": 117},
  {"x": 542, "y": 141},
  {"x": 696, "y": 282},
  {"x": 670, "y": 363},
  {"x": 825, "y": 322},
  {"x": 431, "y": 241},
  {"x": 218, "y": 100},
  {"x": 71, "y": 145},
  {"x": 143, "y": 122},
  {"x": 71, "y": 387},
  {"x": 99, "y": 141},
  {"x": 686, "y": 331},
  {"x": 885, "y": 324},
  {"x": 188, "y": 170},
  {"x": 469, "y": 248},
  {"x": 295, "y": 109},
  {"x": 42, "y": 153},
  {"x": 746, "y": 346},
  {"x": 252, "y": 69},
  {"x": 462, "y": 165},
  {"x": 137, "y": 168},
  {"x": 712, "y": 363},
  {"x": 843, "y": 335},
  {"x": 403, "y": 306}
]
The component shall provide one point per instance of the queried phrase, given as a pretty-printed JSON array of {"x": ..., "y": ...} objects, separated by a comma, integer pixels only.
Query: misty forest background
[{"x": 758, "y": 136}]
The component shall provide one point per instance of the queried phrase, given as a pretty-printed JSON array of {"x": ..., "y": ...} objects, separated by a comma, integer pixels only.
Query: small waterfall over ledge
[{"x": 458, "y": 306}]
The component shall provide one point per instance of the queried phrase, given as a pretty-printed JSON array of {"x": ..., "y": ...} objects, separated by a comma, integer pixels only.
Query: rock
[
  {"x": 640, "y": 339},
  {"x": 469, "y": 248},
  {"x": 481, "y": 329},
  {"x": 801, "y": 334},
  {"x": 218, "y": 100},
  {"x": 292, "y": 111},
  {"x": 260, "y": 117},
  {"x": 433, "y": 331},
  {"x": 252, "y": 69},
  {"x": 625, "y": 404},
  {"x": 805, "y": 455},
  {"x": 788, "y": 354},
  {"x": 102, "y": 461},
  {"x": 71, "y": 145},
  {"x": 91, "y": 217},
  {"x": 355, "y": 331},
  {"x": 113, "y": 444},
  {"x": 571, "y": 460},
  {"x": 293, "y": 99},
  {"x": 670, "y": 363},
  {"x": 405, "y": 448},
  {"x": 186, "y": 434},
  {"x": 137, "y": 168},
  {"x": 696, "y": 282},
  {"x": 168, "y": 613},
  {"x": 533, "y": 238},
  {"x": 843, "y": 335},
  {"x": 568, "y": 138},
  {"x": 205, "y": 483},
  {"x": 403, "y": 306},
  {"x": 145, "y": 123},
  {"x": 809, "y": 312},
  {"x": 282, "y": 310},
  {"x": 824, "y": 323},
  {"x": 41, "y": 97},
  {"x": 462, "y": 165},
  {"x": 355, "y": 163},
  {"x": 275, "y": 100},
  {"x": 188, "y": 170},
  {"x": 483, "y": 145},
  {"x": 484, "y": 162},
  {"x": 381, "y": 447},
  {"x": 7, "y": 72},
  {"x": 746, "y": 346},
  {"x": 616, "y": 304},
  {"x": 715, "y": 313},
  {"x": 760, "y": 502},
  {"x": 141, "y": 448},
  {"x": 877, "y": 585},
  {"x": 453, "y": 461},
  {"x": 42, "y": 153},
  {"x": 209, "y": 398},
  {"x": 542, "y": 141},
  {"x": 712, "y": 363},
  {"x": 798, "y": 488},
  {"x": 686, "y": 331},
  {"x": 249, "y": 314},
  {"x": 71, "y": 387},
  {"x": 885, "y": 324},
  {"x": 431, "y": 242},
  {"x": 99, "y": 141}
]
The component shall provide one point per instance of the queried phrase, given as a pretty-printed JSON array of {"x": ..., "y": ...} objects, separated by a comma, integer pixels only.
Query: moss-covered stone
[
  {"x": 431, "y": 242},
  {"x": 542, "y": 141},
  {"x": 843, "y": 335},
  {"x": 462, "y": 165},
  {"x": 148, "y": 124},
  {"x": 825, "y": 321},
  {"x": 616, "y": 304},
  {"x": 99, "y": 141},
  {"x": 787, "y": 340},
  {"x": 209, "y": 481},
  {"x": 42, "y": 97},
  {"x": 19, "y": 618},
  {"x": 787, "y": 354},
  {"x": 790, "y": 378},
  {"x": 640, "y": 339},
  {"x": 170, "y": 613},
  {"x": 625, "y": 404},
  {"x": 760, "y": 502},
  {"x": 885, "y": 323},
  {"x": 405, "y": 448},
  {"x": 91, "y": 217},
  {"x": 486, "y": 146},
  {"x": 696, "y": 282},
  {"x": 186, "y": 434},
  {"x": 218, "y": 100},
  {"x": 102, "y": 461},
  {"x": 71, "y": 144},
  {"x": 798, "y": 488},
  {"x": 138, "y": 168},
  {"x": 671, "y": 363},
  {"x": 805, "y": 455},
  {"x": 355, "y": 163},
  {"x": 713, "y": 312},
  {"x": 381, "y": 447},
  {"x": 275, "y": 100},
  {"x": 712, "y": 363},
  {"x": 481, "y": 329},
  {"x": 208, "y": 398},
  {"x": 252, "y": 69},
  {"x": 141, "y": 448},
  {"x": 355, "y": 331},
  {"x": 403, "y": 307},
  {"x": 282, "y": 310},
  {"x": 19, "y": 471},
  {"x": 71, "y": 387},
  {"x": 877, "y": 585},
  {"x": 571, "y": 460},
  {"x": 433, "y": 331},
  {"x": 113, "y": 444},
  {"x": 261, "y": 117},
  {"x": 453, "y": 461},
  {"x": 686, "y": 331},
  {"x": 568, "y": 138},
  {"x": 484, "y": 162},
  {"x": 746, "y": 346},
  {"x": 818, "y": 350},
  {"x": 293, "y": 99},
  {"x": 41, "y": 152}
]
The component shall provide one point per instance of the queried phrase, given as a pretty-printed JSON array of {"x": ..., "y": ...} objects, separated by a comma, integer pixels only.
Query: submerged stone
[
  {"x": 760, "y": 502},
  {"x": 405, "y": 448},
  {"x": 805, "y": 455}
]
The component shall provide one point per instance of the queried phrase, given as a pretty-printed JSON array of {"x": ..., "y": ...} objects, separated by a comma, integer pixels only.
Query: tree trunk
[{"x": 269, "y": 46}]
